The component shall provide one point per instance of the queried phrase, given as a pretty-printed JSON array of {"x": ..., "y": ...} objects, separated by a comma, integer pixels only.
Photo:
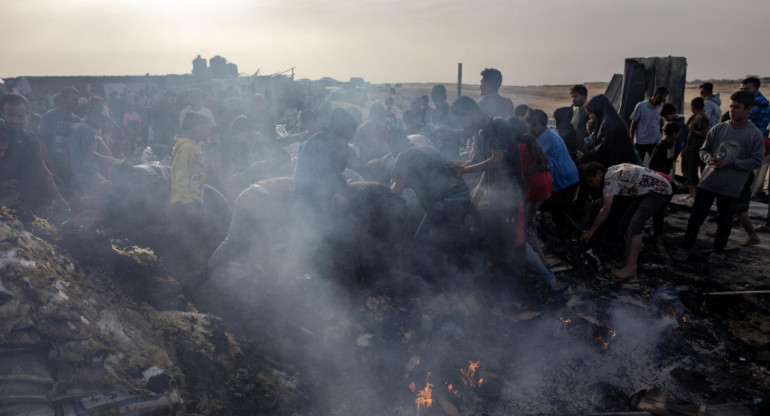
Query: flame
[
  {"x": 412, "y": 387},
  {"x": 565, "y": 320},
  {"x": 467, "y": 375},
  {"x": 424, "y": 398},
  {"x": 450, "y": 387},
  {"x": 684, "y": 319},
  {"x": 611, "y": 333}
]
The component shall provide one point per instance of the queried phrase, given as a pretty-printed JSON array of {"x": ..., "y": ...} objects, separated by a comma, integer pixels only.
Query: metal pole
[{"x": 460, "y": 79}]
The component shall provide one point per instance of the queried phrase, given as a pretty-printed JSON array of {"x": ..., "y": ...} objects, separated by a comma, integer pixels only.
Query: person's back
[
  {"x": 563, "y": 117},
  {"x": 188, "y": 171},
  {"x": 426, "y": 172}
]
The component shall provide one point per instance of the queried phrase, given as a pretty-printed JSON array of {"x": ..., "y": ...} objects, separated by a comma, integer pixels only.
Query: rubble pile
[{"x": 73, "y": 341}]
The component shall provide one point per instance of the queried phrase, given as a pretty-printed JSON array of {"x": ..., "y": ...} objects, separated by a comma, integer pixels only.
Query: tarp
[{"x": 643, "y": 75}]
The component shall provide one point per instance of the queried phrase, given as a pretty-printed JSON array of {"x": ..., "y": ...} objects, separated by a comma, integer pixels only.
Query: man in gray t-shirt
[
  {"x": 646, "y": 122},
  {"x": 732, "y": 150}
]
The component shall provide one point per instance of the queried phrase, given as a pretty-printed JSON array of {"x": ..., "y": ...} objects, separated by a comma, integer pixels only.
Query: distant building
[{"x": 200, "y": 69}]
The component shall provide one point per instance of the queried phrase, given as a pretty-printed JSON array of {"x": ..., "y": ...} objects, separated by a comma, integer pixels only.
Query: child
[
  {"x": 732, "y": 149},
  {"x": 697, "y": 127},
  {"x": 663, "y": 156}
]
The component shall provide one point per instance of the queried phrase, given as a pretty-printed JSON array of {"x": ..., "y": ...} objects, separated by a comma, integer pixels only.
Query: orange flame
[
  {"x": 611, "y": 333},
  {"x": 467, "y": 375},
  {"x": 412, "y": 387},
  {"x": 424, "y": 398},
  {"x": 450, "y": 387},
  {"x": 565, "y": 320}
]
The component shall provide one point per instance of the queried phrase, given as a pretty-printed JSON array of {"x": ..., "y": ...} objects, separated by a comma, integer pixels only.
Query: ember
[
  {"x": 424, "y": 398},
  {"x": 607, "y": 338}
]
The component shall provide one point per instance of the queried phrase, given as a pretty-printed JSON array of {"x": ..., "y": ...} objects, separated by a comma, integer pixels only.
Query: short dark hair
[
  {"x": 744, "y": 97},
  {"x": 68, "y": 91},
  {"x": 698, "y": 103},
  {"x": 521, "y": 110},
  {"x": 193, "y": 120},
  {"x": 672, "y": 129},
  {"x": 579, "y": 89},
  {"x": 537, "y": 117},
  {"x": 707, "y": 86},
  {"x": 438, "y": 89},
  {"x": 13, "y": 99},
  {"x": 464, "y": 106},
  {"x": 661, "y": 91},
  {"x": 590, "y": 170},
  {"x": 667, "y": 109},
  {"x": 493, "y": 77},
  {"x": 753, "y": 81}
]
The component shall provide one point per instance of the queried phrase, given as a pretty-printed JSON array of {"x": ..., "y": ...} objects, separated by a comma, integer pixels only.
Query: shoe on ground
[
  {"x": 682, "y": 254},
  {"x": 686, "y": 201},
  {"x": 716, "y": 258}
]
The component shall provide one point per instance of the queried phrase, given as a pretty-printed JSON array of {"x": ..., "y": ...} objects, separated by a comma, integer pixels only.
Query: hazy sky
[{"x": 531, "y": 42}]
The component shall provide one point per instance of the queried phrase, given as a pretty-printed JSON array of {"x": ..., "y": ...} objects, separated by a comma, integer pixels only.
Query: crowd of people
[{"x": 491, "y": 180}]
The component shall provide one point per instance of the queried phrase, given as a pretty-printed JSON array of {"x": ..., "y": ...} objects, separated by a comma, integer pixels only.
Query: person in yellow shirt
[
  {"x": 188, "y": 174},
  {"x": 188, "y": 179}
]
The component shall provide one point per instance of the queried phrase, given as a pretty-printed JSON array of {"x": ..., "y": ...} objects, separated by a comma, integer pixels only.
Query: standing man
[
  {"x": 732, "y": 150},
  {"x": 646, "y": 122},
  {"x": 713, "y": 104},
  {"x": 563, "y": 170},
  {"x": 500, "y": 195},
  {"x": 760, "y": 113},
  {"x": 492, "y": 103},
  {"x": 24, "y": 179},
  {"x": 579, "y": 94},
  {"x": 55, "y": 130}
]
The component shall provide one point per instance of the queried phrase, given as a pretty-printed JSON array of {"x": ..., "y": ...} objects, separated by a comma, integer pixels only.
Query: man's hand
[
  {"x": 459, "y": 169},
  {"x": 717, "y": 163},
  {"x": 586, "y": 235},
  {"x": 579, "y": 154}
]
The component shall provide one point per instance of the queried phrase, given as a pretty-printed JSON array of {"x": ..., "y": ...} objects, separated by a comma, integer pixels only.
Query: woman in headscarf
[{"x": 613, "y": 144}]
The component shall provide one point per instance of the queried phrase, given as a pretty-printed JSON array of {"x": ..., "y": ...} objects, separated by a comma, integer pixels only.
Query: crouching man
[
  {"x": 442, "y": 234},
  {"x": 650, "y": 191}
]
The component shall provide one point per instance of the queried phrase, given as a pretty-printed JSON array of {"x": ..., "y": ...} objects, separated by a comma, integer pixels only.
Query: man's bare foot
[
  {"x": 625, "y": 273},
  {"x": 750, "y": 242}
]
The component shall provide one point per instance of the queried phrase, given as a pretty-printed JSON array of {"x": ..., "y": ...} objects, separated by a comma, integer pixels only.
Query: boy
[
  {"x": 663, "y": 155},
  {"x": 732, "y": 150},
  {"x": 697, "y": 127}
]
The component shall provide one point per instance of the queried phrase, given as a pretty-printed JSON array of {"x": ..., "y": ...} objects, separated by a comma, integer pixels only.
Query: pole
[{"x": 460, "y": 79}]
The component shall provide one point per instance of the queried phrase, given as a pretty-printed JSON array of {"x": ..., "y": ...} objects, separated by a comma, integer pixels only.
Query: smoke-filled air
[{"x": 384, "y": 208}]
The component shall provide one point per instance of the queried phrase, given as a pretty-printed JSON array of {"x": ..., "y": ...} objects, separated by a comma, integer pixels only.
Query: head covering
[{"x": 614, "y": 144}]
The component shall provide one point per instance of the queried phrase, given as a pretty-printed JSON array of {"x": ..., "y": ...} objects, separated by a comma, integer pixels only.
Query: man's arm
[
  {"x": 604, "y": 212},
  {"x": 706, "y": 151},
  {"x": 493, "y": 162},
  {"x": 397, "y": 185},
  {"x": 632, "y": 130}
]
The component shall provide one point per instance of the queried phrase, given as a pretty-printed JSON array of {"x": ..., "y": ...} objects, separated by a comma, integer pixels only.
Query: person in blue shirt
[
  {"x": 760, "y": 113},
  {"x": 563, "y": 170}
]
